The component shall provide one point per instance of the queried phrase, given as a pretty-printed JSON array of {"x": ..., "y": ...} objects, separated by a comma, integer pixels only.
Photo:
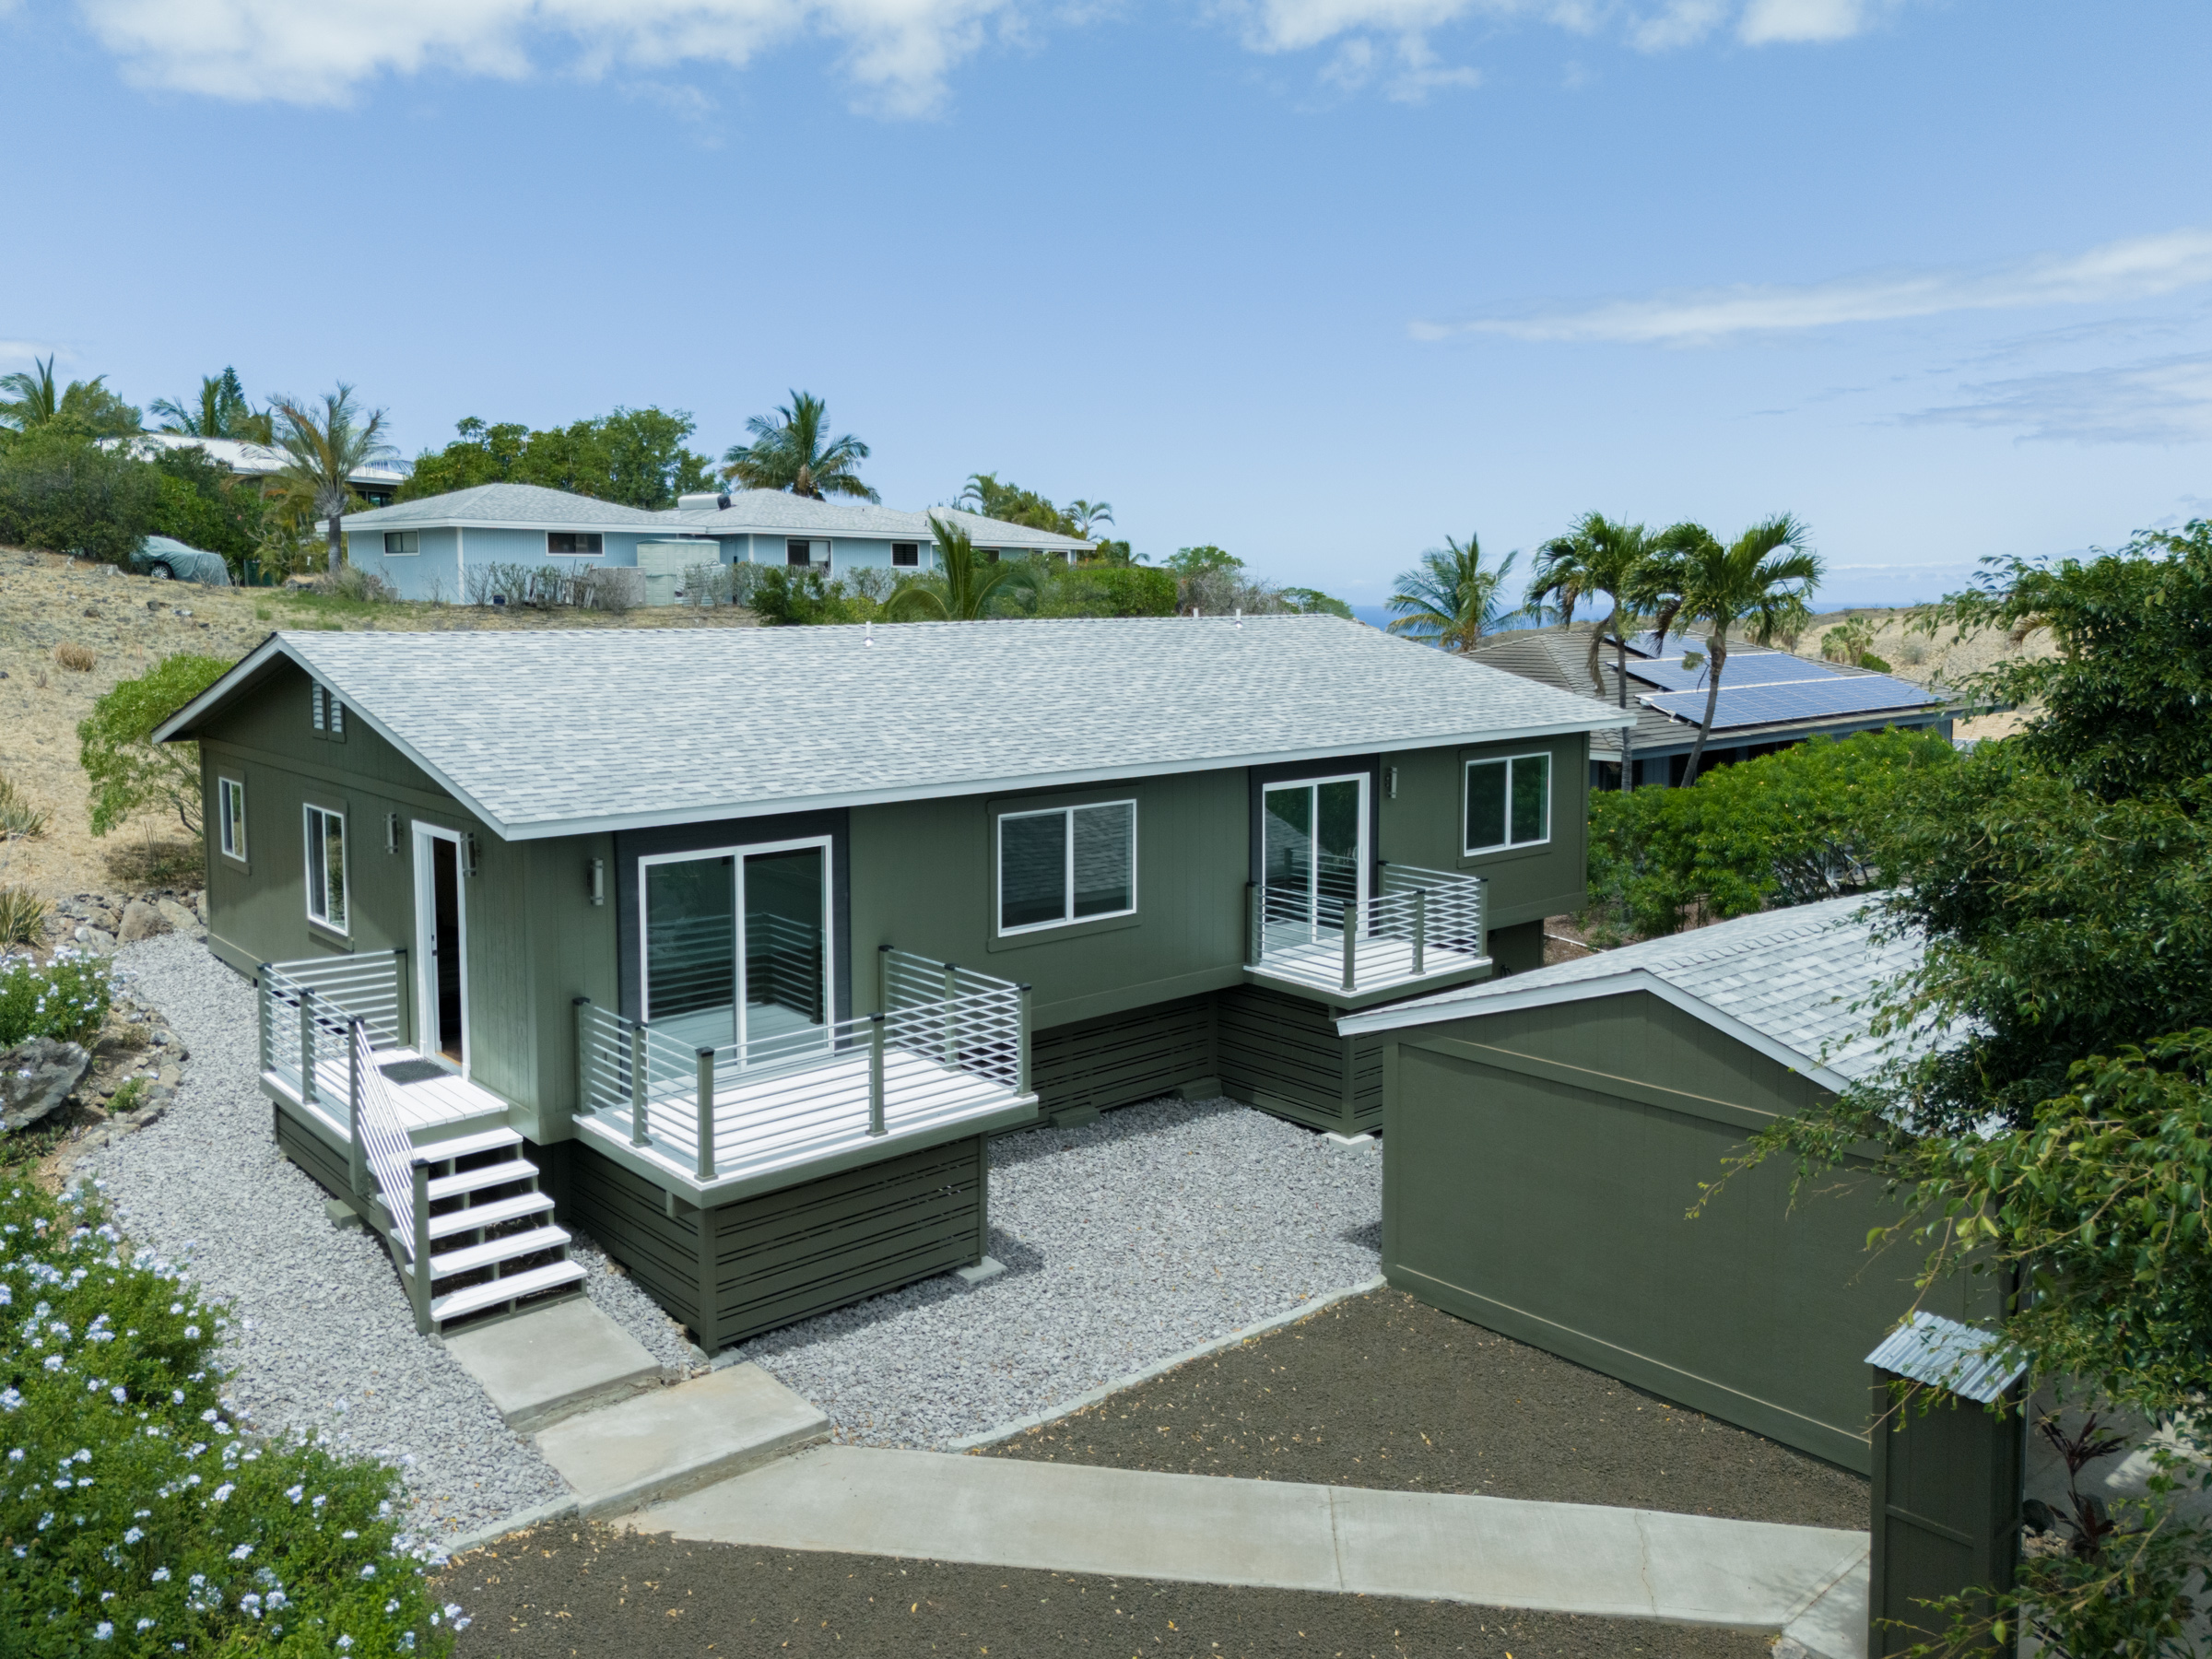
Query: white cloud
[
  {"x": 323, "y": 51},
  {"x": 2140, "y": 267},
  {"x": 1649, "y": 25},
  {"x": 1767, "y": 22},
  {"x": 2161, "y": 401}
]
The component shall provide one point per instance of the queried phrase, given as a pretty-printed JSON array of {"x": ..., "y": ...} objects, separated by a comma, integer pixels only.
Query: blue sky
[{"x": 1321, "y": 281}]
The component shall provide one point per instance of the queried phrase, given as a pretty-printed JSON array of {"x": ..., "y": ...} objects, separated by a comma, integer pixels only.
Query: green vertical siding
[
  {"x": 1538, "y": 1164},
  {"x": 1423, "y": 825}
]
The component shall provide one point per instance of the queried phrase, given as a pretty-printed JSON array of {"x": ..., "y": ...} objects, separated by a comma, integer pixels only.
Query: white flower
[
  {"x": 344, "y": 1643},
  {"x": 53, "y": 1363},
  {"x": 117, "y": 1394},
  {"x": 146, "y": 1624},
  {"x": 293, "y": 1492},
  {"x": 191, "y": 1329},
  {"x": 103, "y": 1629},
  {"x": 224, "y": 1491},
  {"x": 136, "y": 1534},
  {"x": 161, "y": 1575},
  {"x": 368, "y": 1569},
  {"x": 241, "y": 1552}
]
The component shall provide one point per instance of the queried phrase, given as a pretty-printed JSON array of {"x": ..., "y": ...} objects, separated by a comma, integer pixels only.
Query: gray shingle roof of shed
[
  {"x": 567, "y": 730},
  {"x": 505, "y": 504},
  {"x": 1791, "y": 975}
]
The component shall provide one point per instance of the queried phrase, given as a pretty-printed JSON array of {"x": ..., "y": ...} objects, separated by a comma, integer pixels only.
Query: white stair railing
[{"x": 401, "y": 1172}]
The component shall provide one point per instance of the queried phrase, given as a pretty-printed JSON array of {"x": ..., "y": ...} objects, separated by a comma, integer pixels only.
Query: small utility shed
[{"x": 1543, "y": 1137}]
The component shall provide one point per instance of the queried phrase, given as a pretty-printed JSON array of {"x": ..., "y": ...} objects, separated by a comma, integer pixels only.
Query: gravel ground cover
[
  {"x": 571, "y": 1589},
  {"x": 1126, "y": 1240},
  {"x": 1383, "y": 1391},
  {"x": 321, "y": 1335}
]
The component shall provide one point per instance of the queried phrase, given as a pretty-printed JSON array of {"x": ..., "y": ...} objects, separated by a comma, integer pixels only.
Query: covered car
[{"x": 165, "y": 558}]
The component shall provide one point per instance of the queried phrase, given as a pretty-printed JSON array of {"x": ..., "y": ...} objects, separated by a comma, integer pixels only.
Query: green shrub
[
  {"x": 18, "y": 816},
  {"x": 1791, "y": 828},
  {"x": 22, "y": 917},
  {"x": 67, "y": 998},
  {"x": 1110, "y": 591},
  {"x": 60, "y": 491},
  {"x": 786, "y": 597},
  {"x": 137, "y": 1520}
]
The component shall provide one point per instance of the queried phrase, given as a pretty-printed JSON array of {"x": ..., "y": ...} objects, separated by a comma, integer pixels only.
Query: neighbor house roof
[
  {"x": 252, "y": 459},
  {"x": 509, "y": 507},
  {"x": 565, "y": 731},
  {"x": 1560, "y": 656},
  {"x": 750, "y": 512},
  {"x": 778, "y": 512},
  {"x": 1794, "y": 983}
]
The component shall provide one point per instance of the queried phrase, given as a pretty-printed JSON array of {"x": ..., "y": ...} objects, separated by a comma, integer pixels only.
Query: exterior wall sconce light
[{"x": 598, "y": 880}]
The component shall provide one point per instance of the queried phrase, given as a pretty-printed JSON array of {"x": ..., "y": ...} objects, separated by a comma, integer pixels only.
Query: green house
[{"x": 733, "y": 947}]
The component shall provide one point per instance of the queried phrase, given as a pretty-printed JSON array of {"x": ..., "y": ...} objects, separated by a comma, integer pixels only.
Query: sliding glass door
[
  {"x": 737, "y": 947},
  {"x": 1314, "y": 854}
]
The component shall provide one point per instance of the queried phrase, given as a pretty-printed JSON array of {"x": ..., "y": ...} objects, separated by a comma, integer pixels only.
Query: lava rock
[
  {"x": 36, "y": 1078},
  {"x": 140, "y": 921},
  {"x": 92, "y": 938},
  {"x": 177, "y": 915}
]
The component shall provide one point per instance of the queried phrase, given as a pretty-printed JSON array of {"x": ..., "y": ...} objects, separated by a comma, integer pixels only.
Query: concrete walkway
[{"x": 1499, "y": 1552}]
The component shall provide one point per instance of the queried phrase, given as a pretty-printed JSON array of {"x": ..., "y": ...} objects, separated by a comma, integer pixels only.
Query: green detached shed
[{"x": 1545, "y": 1135}]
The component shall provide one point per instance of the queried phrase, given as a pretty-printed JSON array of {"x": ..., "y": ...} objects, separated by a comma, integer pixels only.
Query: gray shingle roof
[
  {"x": 778, "y": 512},
  {"x": 1791, "y": 976},
  {"x": 526, "y": 505},
  {"x": 565, "y": 730}
]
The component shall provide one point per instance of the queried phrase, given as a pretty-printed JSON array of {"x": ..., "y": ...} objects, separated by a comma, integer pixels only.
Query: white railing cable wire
[{"x": 391, "y": 1155}]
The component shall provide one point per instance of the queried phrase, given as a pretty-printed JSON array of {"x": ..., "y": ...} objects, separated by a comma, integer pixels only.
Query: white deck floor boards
[
  {"x": 446, "y": 1099},
  {"x": 777, "y": 1123},
  {"x": 1380, "y": 964}
]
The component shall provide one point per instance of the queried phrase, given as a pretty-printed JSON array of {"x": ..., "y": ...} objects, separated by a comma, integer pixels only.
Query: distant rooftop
[{"x": 252, "y": 459}]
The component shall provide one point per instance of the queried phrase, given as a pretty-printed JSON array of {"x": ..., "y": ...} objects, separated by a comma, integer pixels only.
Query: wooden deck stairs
[{"x": 494, "y": 1247}]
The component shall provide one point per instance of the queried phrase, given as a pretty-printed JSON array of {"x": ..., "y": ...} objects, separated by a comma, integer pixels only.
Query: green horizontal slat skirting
[
  {"x": 1367, "y": 1079},
  {"x": 1123, "y": 1058},
  {"x": 1700, "y": 1394},
  {"x": 1282, "y": 1054},
  {"x": 306, "y": 1149},
  {"x": 786, "y": 1255}
]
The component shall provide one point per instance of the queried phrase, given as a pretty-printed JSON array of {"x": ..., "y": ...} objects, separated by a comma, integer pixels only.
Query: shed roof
[
  {"x": 1791, "y": 982},
  {"x": 568, "y": 730},
  {"x": 1975, "y": 1365}
]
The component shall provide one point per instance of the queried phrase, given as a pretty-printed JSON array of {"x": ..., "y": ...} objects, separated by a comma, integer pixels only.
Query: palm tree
[
  {"x": 324, "y": 450},
  {"x": 1088, "y": 515},
  {"x": 1598, "y": 559},
  {"x": 34, "y": 399},
  {"x": 221, "y": 410},
  {"x": 788, "y": 453},
  {"x": 962, "y": 588},
  {"x": 1760, "y": 581},
  {"x": 1449, "y": 599}
]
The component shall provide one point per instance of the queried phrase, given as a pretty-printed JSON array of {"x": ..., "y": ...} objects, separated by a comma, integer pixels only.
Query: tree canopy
[
  {"x": 35, "y": 399},
  {"x": 634, "y": 456},
  {"x": 323, "y": 447},
  {"x": 222, "y": 409},
  {"x": 1452, "y": 598},
  {"x": 1011, "y": 504},
  {"x": 129, "y": 773},
  {"x": 793, "y": 451}
]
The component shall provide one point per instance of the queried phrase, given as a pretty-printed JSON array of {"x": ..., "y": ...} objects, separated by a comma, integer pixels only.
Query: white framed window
[
  {"x": 327, "y": 867},
  {"x": 1508, "y": 803},
  {"x": 1067, "y": 864},
  {"x": 230, "y": 814},
  {"x": 906, "y": 556},
  {"x": 575, "y": 543},
  {"x": 401, "y": 544}
]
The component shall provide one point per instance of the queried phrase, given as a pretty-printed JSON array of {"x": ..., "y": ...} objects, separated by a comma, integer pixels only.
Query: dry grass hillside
[
  {"x": 56, "y": 612},
  {"x": 1925, "y": 660}
]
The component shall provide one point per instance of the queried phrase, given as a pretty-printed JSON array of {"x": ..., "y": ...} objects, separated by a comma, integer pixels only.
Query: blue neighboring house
[{"x": 425, "y": 547}]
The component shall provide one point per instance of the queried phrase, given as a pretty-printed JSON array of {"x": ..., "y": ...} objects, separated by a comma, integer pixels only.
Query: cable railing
[
  {"x": 780, "y": 1097},
  {"x": 1418, "y": 923},
  {"x": 307, "y": 1007},
  {"x": 381, "y": 1148}
]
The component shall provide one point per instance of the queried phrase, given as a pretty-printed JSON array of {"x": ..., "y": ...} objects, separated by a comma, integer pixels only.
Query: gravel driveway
[
  {"x": 1128, "y": 1241},
  {"x": 322, "y": 1336}
]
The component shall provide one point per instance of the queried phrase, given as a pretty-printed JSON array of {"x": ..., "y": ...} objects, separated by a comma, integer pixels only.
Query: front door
[
  {"x": 441, "y": 948},
  {"x": 1314, "y": 854},
  {"x": 737, "y": 947}
]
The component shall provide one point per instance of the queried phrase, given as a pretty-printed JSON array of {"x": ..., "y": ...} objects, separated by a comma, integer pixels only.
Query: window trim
[
  {"x": 1068, "y": 874},
  {"x": 595, "y": 537},
  {"x": 230, "y": 823},
  {"x": 309, "y": 810},
  {"x": 1509, "y": 762},
  {"x": 402, "y": 538},
  {"x": 912, "y": 562},
  {"x": 740, "y": 852}
]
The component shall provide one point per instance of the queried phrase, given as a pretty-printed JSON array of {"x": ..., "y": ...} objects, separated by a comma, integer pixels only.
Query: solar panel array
[
  {"x": 1804, "y": 699},
  {"x": 1743, "y": 668}
]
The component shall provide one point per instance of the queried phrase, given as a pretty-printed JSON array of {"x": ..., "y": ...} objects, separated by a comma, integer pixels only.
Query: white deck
[
  {"x": 798, "y": 1117},
  {"x": 428, "y": 1105},
  {"x": 1383, "y": 967}
]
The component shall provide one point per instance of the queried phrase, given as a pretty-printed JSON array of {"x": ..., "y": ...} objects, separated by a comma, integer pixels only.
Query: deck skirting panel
[
  {"x": 311, "y": 1152},
  {"x": 1282, "y": 1054},
  {"x": 778, "y": 1258},
  {"x": 1120, "y": 1059}
]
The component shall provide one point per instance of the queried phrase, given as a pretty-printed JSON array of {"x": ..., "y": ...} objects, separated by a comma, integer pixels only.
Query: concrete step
[
  {"x": 460, "y": 1304},
  {"x": 678, "y": 1440},
  {"x": 488, "y": 1215},
  {"x": 552, "y": 1362},
  {"x": 467, "y": 1146},
  {"x": 487, "y": 1175},
  {"x": 506, "y": 1248}
]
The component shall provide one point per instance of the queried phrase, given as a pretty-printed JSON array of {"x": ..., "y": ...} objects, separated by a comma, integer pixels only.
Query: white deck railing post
[
  {"x": 418, "y": 1275},
  {"x": 1420, "y": 930},
  {"x": 638, "y": 1136},
  {"x": 706, "y": 1114},
  {"x": 875, "y": 1075},
  {"x": 356, "y": 1151},
  {"x": 1021, "y": 1038},
  {"x": 307, "y": 1047},
  {"x": 268, "y": 1033}
]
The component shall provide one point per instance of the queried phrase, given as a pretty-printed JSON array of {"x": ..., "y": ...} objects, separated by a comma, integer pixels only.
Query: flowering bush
[
  {"x": 67, "y": 998},
  {"x": 134, "y": 1518}
]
